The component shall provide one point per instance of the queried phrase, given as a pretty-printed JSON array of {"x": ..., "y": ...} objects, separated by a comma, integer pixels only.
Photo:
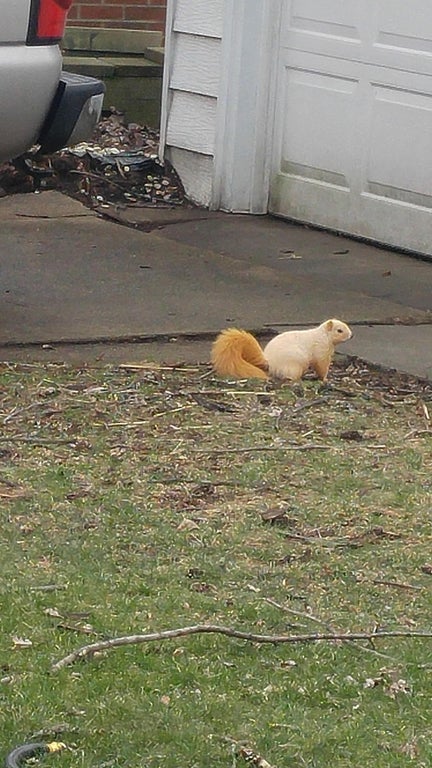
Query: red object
[{"x": 47, "y": 21}]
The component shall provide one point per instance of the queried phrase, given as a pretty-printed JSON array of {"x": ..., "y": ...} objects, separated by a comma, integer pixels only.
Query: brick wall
[{"x": 125, "y": 14}]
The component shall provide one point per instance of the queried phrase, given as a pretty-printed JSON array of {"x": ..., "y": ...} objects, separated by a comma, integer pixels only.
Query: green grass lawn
[{"x": 134, "y": 501}]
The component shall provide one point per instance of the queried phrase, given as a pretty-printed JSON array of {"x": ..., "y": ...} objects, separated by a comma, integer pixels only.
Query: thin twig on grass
[
  {"x": 98, "y": 177},
  {"x": 168, "y": 634},
  {"x": 417, "y": 433},
  {"x": 368, "y": 537},
  {"x": 304, "y": 615},
  {"x": 397, "y": 584},
  {"x": 156, "y": 367},
  {"x": 159, "y": 415},
  {"x": 206, "y": 483},
  {"x": 17, "y": 411},
  {"x": 218, "y": 391},
  {"x": 257, "y": 448},
  {"x": 346, "y": 542},
  {"x": 300, "y": 614},
  {"x": 308, "y": 404},
  {"x": 39, "y": 440},
  {"x": 18, "y": 493}
]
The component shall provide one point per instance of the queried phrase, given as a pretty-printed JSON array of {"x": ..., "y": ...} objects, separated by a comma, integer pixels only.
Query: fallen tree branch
[
  {"x": 310, "y": 617},
  {"x": 168, "y": 634}
]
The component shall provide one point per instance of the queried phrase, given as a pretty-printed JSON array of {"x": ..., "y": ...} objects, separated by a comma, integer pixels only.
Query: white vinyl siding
[
  {"x": 193, "y": 73},
  {"x": 196, "y": 65},
  {"x": 191, "y": 123},
  {"x": 199, "y": 17}
]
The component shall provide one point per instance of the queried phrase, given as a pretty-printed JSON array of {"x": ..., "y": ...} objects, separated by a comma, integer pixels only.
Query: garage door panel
[
  {"x": 333, "y": 207},
  {"x": 397, "y": 169},
  {"x": 353, "y": 137},
  {"x": 317, "y": 104},
  {"x": 379, "y": 192},
  {"x": 404, "y": 25},
  {"x": 327, "y": 17},
  {"x": 416, "y": 42},
  {"x": 392, "y": 34},
  {"x": 300, "y": 193},
  {"x": 320, "y": 25},
  {"x": 403, "y": 36}
]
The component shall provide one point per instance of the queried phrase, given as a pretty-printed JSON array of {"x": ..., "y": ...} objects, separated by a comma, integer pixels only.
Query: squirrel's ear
[{"x": 329, "y": 325}]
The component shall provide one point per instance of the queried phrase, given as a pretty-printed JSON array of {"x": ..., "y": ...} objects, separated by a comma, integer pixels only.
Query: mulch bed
[{"x": 120, "y": 166}]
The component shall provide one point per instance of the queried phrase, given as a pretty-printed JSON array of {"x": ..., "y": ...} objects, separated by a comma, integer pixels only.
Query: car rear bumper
[
  {"x": 74, "y": 112},
  {"x": 28, "y": 84}
]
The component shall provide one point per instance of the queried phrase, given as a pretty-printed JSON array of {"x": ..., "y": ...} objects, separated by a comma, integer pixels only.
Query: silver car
[{"x": 40, "y": 104}]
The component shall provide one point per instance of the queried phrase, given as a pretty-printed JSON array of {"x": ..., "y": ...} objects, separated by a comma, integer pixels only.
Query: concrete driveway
[{"x": 76, "y": 286}]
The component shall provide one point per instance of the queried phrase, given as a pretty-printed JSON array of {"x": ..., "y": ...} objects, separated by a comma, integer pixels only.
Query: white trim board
[{"x": 245, "y": 106}]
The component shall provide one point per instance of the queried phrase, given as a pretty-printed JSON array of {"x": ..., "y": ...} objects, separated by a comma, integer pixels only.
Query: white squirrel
[{"x": 287, "y": 356}]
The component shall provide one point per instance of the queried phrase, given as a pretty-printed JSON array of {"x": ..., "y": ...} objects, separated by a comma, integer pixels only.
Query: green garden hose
[{"x": 18, "y": 756}]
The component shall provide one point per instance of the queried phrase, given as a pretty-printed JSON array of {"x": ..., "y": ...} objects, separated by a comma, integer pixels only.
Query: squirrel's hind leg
[{"x": 321, "y": 368}]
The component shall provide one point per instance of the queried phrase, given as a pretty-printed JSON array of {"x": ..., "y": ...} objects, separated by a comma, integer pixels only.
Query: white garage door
[{"x": 353, "y": 137}]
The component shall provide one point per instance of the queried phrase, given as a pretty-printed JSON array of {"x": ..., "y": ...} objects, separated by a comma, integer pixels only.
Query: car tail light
[{"x": 47, "y": 21}]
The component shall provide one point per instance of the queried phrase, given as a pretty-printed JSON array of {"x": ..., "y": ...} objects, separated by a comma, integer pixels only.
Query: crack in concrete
[
  {"x": 170, "y": 338},
  {"x": 407, "y": 322},
  {"x": 51, "y": 218},
  {"x": 147, "y": 226}
]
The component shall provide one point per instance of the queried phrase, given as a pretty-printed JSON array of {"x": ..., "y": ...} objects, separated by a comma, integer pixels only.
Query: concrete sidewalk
[{"x": 78, "y": 287}]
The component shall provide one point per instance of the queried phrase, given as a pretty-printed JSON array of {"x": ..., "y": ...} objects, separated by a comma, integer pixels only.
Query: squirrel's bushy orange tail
[{"x": 237, "y": 353}]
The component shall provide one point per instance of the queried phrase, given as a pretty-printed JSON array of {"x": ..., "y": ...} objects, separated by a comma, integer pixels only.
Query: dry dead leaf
[
  {"x": 423, "y": 410},
  {"x": 187, "y": 525},
  {"x": 352, "y": 434},
  {"x": 398, "y": 686},
  {"x": 202, "y": 586},
  {"x": 277, "y": 516},
  {"x": 253, "y": 758},
  {"x": 53, "y": 612},
  {"x": 21, "y": 642},
  {"x": 14, "y": 493},
  {"x": 392, "y": 684},
  {"x": 410, "y": 749},
  {"x": 86, "y": 629},
  {"x": 252, "y": 588}
]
